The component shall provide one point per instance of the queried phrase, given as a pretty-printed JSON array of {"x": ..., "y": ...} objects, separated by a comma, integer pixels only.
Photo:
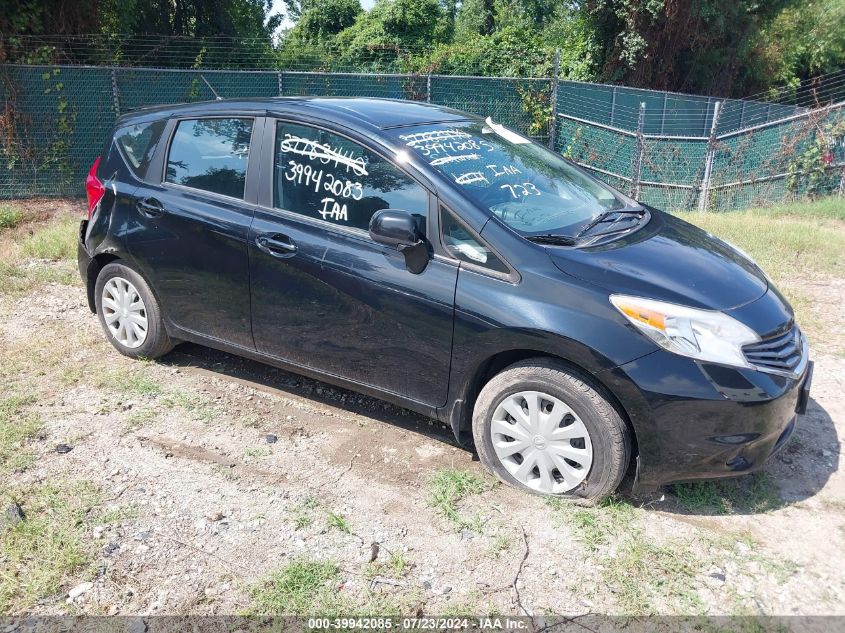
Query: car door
[
  {"x": 324, "y": 294},
  {"x": 188, "y": 231}
]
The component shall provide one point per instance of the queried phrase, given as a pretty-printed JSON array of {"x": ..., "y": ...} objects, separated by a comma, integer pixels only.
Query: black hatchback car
[{"x": 454, "y": 267}]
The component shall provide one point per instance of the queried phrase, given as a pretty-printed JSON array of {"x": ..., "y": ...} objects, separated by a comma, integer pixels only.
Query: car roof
[{"x": 367, "y": 112}]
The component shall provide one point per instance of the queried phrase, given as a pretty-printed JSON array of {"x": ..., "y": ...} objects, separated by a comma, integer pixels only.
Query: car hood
[{"x": 670, "y": 260}]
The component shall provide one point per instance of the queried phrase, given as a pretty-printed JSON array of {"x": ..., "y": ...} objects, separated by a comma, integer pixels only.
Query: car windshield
[{"x": 531, "y": 189}]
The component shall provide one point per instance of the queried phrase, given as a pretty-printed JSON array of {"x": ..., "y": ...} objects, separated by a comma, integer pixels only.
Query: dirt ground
[{"x": 214, "y": 472}]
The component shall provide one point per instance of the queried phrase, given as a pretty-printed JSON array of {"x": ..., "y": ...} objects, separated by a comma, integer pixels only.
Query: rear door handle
[
  {"x": 150, "y": 207},
  {"x": 276, "y": 244}
]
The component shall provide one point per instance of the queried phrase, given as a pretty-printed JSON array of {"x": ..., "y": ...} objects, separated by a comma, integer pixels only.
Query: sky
[{"x": 279, "y": 7}]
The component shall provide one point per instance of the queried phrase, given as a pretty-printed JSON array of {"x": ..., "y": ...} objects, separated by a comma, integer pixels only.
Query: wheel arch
[
  {"x": 97, "y": 263},
  {"x": 459, "y": 414}
]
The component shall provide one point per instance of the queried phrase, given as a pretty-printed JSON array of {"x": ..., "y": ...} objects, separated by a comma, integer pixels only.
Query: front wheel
[
  {"x": 540, "y": 426},
  {"x": 129, "y": 313}
]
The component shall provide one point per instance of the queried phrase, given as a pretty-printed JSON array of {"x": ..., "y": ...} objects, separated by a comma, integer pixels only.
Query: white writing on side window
[
  {"x": 321, "y": 180},
  {"x": 324, "y": 153}
]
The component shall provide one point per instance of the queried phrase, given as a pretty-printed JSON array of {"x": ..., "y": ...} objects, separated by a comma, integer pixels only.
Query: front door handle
[
  {"x": 276, "y": 244},
  {"x": 150, "y": 207}
]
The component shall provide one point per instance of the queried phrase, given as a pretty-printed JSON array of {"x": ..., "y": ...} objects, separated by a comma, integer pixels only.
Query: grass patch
[
  {"x": 15, "y": 278},
  {"x": 338, "y": 522},
  {"x": 396, "y": 564},
  {"x": 302, "y": 513},
  {"x": 56, "y": 240},
  {"x": 40, "y": 555},
  {"x": 782, "y": 243},
  {"x": 754, "y": 494},
  {"x": 193, "y": 403},
  {"x": 316, "y": 588},
  {"x": 17, "y": 428},
  {"x": 596, "y": 527},
  {"x": 131, "y": 383},
  {"x": 500, "y": 543},
  {"x": 644, "y": 575},
  {"x": 119, "y": 514},
  {"x": 448, "y": 487},
  {"x": 302, "y": 521},
  {"x": 781, "y": 569},
  {"x": 825, "y": 209},
  {"x": 138, "y": 418},
  {"x": 10, "y": 216},
  {"x": 304, "y": 587},
  {"x": 394, "y": 567}
]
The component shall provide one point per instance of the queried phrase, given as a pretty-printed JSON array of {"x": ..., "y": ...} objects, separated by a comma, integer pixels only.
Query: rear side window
[
  {"x": 329, "y": 177},
  {"x": 211, "y": 155},
  {"x": 137, "y": 144}
]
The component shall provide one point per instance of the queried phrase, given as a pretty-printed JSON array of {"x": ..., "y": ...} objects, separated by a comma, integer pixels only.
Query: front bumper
[{"x": 702, "y": 421}]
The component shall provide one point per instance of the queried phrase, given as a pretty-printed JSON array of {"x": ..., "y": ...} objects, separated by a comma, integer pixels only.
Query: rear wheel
[
  {"x": 129, "y": 313},
  {"x": 540, "y": 426}
]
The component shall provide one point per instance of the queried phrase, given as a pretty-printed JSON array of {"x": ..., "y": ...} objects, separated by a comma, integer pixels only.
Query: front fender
[{"x": 545, "y": 314}]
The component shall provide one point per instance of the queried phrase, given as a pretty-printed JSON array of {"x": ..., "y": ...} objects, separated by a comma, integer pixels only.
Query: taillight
[{"x": 94, "y": 188}]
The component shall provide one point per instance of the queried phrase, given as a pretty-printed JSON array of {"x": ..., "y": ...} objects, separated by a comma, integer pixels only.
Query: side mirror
[
  {"x": 394, "y": 228},
  {"x": 398, "y": 229}
]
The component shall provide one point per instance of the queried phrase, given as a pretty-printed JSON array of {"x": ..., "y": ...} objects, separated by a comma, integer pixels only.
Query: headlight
[{"x": 706, "y": 335}]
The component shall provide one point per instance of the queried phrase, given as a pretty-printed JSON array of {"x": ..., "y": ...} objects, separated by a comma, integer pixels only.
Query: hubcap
[
  {"x": 124, "y": 312},
  {"x": 541, "y": 442}
]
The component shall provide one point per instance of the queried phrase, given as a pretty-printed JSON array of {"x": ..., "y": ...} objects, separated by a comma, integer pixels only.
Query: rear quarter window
[{"x": 137, "y": 144}]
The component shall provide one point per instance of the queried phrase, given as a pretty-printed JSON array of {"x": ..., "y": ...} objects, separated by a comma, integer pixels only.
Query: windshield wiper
[
  {"x": 603, "y": 217},
  {"x": 552, "y": 240}
]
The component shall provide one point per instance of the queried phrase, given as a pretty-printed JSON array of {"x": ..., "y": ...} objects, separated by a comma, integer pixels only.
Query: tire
[
  {"x": 591, "y": 432},
  {"x": 115, "y": 281}
]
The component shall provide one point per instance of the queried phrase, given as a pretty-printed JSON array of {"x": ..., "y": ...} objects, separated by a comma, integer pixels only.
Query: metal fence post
[
  {"x": 428, "y": 88},
  {"x": 279, "y": 81},
  {"x": 612, "y": 106},
  {"x": 553, "y": 121},
  {"x": 114, "y": 93},
  {"x": 704, "y": 190},
  {"x": 637, "y": 163}
]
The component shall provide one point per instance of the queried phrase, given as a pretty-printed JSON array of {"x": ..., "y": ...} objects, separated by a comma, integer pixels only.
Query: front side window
[
  {"x": 464, "y": 246},
  {"x": 528, "y": 187},
  {"x": 138, "y": 143},
  {"x": 210, "y": 154},
  {"x": 329, "y": 177}
]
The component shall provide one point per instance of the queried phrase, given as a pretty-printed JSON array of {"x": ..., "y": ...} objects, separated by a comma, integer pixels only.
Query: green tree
[
  {"x": 190, "y": 18},
  {"x": 509, "y": 52},
  {"x": 475, "y": 17},
  {"x": 685, "y": 45},
  {"x": 128, "y": 30},
  {"x": 394, "y": 27},
  {"x": 324, "y": 19},
  {"x": 47, "y": 17},
  {"x": 800, "y": 43}
]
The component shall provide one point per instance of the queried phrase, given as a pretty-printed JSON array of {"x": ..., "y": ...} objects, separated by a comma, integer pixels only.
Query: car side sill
[{"x": 194, "y": 337}]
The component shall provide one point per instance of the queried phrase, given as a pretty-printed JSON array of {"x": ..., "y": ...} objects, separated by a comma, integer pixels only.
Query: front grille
[{"x": 781, "y": 354}]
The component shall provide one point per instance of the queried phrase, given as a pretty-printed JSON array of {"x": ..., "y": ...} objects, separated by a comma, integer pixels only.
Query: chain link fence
[
  {"x": 797, "y": 157},
  {"x": 670, "y": 150}
]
